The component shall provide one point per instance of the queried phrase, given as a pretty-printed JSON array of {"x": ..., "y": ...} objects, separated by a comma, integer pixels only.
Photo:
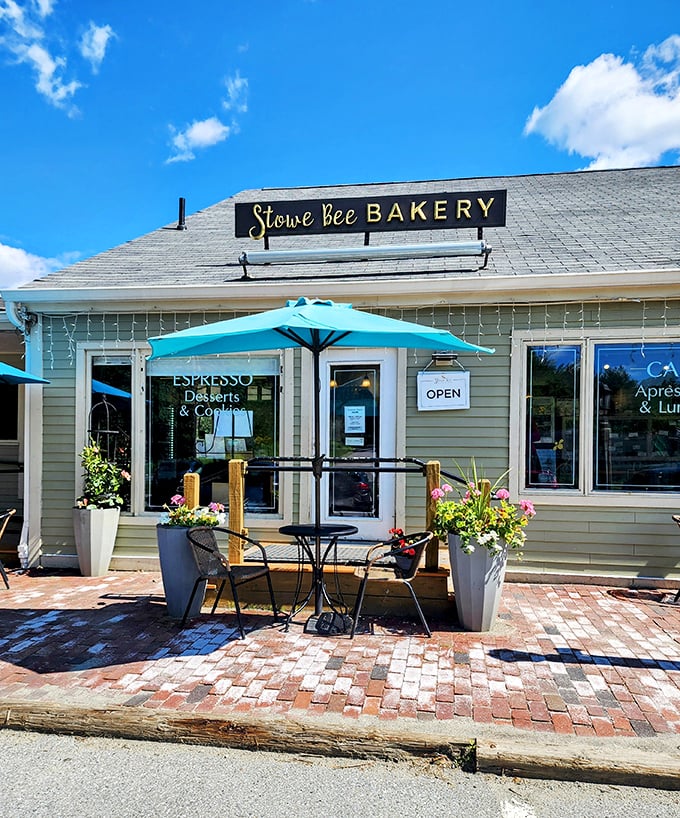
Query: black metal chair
[
  {"x": 213, "y": 564},
  {"x": 4, "y": 519},
  {"x": 395, "y": 560}
]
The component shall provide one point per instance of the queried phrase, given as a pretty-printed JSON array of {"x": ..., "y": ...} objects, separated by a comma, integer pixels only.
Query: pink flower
[
  {"x": 437, "y": 494},
  {"x": 527, "y": 507},
  {"x": 447, "y": 488},
  {"x": 177, "y": 500},
  {"x": 503, "y": 494},
  {"x": 125, "y": 474},
  {"x": 217, "y": 507}
]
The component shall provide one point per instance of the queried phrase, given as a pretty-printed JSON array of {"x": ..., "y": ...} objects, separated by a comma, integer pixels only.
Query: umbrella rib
[
  {"x": 293, "y": 336},
  {"x": 316, "y": 344},
  {"x": 332, "y": 338}
]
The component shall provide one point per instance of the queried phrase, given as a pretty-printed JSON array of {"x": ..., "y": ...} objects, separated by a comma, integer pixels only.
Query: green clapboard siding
[{"x": 583, "y": 540}]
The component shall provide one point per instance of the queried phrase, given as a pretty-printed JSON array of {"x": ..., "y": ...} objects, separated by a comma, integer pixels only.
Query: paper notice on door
[{"x": 355, "y": 420}]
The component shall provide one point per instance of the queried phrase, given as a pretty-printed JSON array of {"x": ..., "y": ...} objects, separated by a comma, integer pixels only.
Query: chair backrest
[
  {"x": 206, "y": 551},
  {"x": 407, "y": 563}
]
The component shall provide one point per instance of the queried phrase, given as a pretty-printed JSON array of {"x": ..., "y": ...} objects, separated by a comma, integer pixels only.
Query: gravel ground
[{"x": 70, "y": 777}]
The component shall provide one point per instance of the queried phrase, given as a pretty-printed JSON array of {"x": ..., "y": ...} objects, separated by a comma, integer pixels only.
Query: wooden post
[
  {"x": 485, "y": 487},
  {"x": 432, "y": 481},
  {"x": 192, "y": 489},
  {"x": 237, "y": 471}
]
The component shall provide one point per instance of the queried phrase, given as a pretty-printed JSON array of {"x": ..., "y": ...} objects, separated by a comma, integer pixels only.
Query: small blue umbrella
[
  {"x": 10, "y": 374},
  {"x": 312, "y": 324}
]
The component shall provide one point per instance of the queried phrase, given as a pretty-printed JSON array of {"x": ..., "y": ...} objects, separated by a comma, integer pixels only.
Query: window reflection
[
  {"x": 110, "y": 417},
  {"x": 552, "y": 416},
  {"x": 202, "y": 415},
  {"x": 637, "y": 414}
]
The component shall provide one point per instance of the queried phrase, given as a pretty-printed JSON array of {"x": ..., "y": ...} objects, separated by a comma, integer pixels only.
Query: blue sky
[{"x": 110, "y": 111}]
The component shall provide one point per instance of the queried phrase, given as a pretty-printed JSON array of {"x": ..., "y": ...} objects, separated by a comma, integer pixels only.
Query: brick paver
[{"x": 580, "y": 660}]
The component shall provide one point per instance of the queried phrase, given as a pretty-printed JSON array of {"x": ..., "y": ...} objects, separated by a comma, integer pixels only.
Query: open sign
[{"x": 443, "y": 390}]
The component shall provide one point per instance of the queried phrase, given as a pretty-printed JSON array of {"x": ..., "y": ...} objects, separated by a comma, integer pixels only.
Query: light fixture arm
[{"x": 366, "y": 253}]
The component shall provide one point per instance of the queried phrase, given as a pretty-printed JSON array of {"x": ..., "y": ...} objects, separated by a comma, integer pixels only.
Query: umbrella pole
[{"x": 317, "y": 468}]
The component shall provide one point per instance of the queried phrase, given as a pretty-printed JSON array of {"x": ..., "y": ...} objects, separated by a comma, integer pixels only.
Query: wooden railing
[{"x": 236, "y": 520}]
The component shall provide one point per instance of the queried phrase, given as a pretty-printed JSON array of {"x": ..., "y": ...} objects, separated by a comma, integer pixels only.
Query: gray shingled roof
[{"x": 583, "y": 222}]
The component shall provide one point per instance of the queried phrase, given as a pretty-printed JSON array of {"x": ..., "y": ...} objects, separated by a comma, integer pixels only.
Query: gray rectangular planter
[
  {"x": 94, "y": 530},
  {"x": 178, "y": 571},
  {"x": 477, "y": 584}
]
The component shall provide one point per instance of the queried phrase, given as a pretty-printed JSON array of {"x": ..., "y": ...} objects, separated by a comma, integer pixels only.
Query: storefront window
[
  {"x": 201, "y": 414},
  {"x": 637, "y": 414},
  {"x": 110, "y": 416},
  {"x": 552, "y": 416}
]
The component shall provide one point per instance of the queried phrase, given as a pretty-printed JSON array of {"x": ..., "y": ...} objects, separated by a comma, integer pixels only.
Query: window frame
[{"x": 586, "y": 338}]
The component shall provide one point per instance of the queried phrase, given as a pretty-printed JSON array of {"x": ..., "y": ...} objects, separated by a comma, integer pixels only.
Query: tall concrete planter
[
  {"x": 178, "y": 571},
  {"x": 477, "y": 584},
  {"x": 95, "y": 532}
]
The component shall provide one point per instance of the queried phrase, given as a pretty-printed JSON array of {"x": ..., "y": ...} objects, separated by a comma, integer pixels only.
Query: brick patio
[{"x": 566, "y": 659}]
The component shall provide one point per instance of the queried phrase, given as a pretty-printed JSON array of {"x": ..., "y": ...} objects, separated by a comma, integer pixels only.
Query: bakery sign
[
  {"x": 259, "y": 220},
  {"x": 438, "y": 391}
]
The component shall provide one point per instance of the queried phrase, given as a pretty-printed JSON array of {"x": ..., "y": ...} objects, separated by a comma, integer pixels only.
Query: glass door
[{"x": 358, "y": 413}]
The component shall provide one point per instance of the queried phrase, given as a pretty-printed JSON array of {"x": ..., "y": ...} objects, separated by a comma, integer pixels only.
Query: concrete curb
[{"x": 499, "y": 752}]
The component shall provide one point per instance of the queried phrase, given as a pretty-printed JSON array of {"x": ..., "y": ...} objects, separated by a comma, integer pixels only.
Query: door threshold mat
[{"x": 347, "y": 553}]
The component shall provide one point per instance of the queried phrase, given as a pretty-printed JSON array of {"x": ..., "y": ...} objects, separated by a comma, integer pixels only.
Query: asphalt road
[{"x": 70, "y": 777}]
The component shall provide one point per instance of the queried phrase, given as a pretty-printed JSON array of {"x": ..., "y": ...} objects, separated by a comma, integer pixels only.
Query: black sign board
[{"x": 429, "y": 211}]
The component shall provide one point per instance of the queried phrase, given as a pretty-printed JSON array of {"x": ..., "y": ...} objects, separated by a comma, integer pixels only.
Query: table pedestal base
[{"x": 328, "y": 623}]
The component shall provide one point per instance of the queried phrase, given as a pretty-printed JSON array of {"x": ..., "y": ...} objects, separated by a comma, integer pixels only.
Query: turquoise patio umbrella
[{"x": 312, "y": 324}]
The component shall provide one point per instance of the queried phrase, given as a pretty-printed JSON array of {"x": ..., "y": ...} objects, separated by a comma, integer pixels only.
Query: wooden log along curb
[
  {"x": 571, "y": 762},
  {"x": 237, "y": 731},
  {"x": 504, "y": 756}
]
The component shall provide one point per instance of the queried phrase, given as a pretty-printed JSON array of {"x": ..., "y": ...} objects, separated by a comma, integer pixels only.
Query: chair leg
[
  {"x": 191, "y": 599},
  {"x": 218, "y": 596},
  {"x": 271, "y": 595},
  {"x": 4, "y": 575},
  {"x": 356, "y": 613},
  {"x": 237, "y": 607},
  {"x": 419, "y": 609}
]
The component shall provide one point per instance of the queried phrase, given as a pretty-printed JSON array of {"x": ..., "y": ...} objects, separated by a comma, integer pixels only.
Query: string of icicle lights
[{"x": 481, "y": 325}]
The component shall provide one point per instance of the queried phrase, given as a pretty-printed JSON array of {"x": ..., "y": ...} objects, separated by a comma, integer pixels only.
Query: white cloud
[
  {"x": 44, "y": 7},
  {"x": 617, "y": 113},
  {"x": 208, "y": 132},
  {"x": 49, "y": 82},
  {"x": 22, "y": 27},
  {"x": 18, "y": 267},
  {"x": 237, "y": 94},
  {"x": 198, "y": 135},
  {"x": 93, "y": 44},
  {"x": 28, "y": 40}
]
